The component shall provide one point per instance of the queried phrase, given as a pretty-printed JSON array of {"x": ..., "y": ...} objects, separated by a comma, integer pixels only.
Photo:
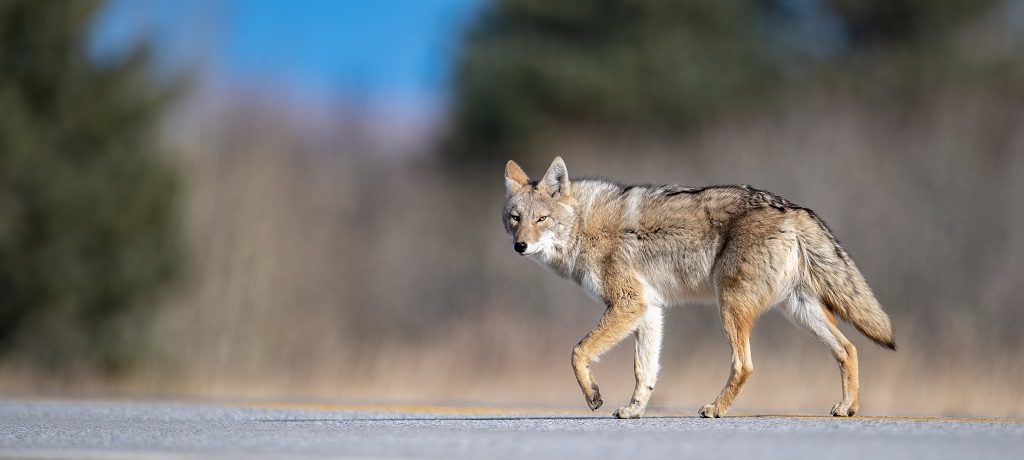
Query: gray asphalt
[{"x": 82, "y": 429}]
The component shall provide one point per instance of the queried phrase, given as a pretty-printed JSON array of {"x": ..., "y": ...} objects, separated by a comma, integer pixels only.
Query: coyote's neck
[
  {"x": 567, "y": 255},
  {"x": 576, "y": 254}
]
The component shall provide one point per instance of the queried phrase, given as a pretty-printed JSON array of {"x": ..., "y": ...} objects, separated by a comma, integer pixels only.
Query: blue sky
[{"x": 375, "y": 51}]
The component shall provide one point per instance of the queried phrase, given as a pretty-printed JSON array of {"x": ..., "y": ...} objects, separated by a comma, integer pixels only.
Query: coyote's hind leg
[
  {"x": 809, "y": 313},
  {"x": 738, "y": 315}
]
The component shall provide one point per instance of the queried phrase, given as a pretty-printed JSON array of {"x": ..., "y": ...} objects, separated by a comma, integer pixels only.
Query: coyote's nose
[{"x": 520, "y": 247}]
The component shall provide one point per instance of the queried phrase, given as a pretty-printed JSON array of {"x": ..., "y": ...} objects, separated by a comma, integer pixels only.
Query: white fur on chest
[{"x": 592, "y": 285}]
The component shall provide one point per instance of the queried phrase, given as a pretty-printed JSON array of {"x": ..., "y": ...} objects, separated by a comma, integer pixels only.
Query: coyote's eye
[
  {"x": 514, "y": 218},
  {"x": 542, "y": 218}
]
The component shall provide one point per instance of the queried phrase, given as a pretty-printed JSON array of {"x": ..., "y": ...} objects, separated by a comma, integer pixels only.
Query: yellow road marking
[
  {"x": 895, "y": 418},
  {"x": 536, "y": 411},
  {"x": 419, "y": 408}
]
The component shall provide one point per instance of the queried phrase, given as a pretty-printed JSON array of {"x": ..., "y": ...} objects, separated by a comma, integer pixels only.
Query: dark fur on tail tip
[{"x": 889, "y": 345}]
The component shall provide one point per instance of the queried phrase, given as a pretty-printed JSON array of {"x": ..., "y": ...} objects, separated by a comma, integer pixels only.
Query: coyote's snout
[{"x": 641, "y": 248}]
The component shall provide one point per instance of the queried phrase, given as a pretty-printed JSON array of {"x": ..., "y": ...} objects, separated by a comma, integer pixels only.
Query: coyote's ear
[
  {"x": 556, "y": 180},
  {"x": 515, "y": 178}
]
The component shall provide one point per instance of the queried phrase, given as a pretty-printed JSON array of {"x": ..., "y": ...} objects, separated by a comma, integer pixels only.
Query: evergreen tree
[
  {"x": 529, "y": 63},
  {"x": 88, "y": 206},
  {"x": 529, "y": 66}
]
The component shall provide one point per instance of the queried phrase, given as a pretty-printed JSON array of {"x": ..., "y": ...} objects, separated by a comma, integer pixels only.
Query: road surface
[{"x": 119, "y": 430}]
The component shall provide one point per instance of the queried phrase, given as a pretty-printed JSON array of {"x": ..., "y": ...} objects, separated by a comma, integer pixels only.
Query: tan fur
[{"x": 639, "y": 249}]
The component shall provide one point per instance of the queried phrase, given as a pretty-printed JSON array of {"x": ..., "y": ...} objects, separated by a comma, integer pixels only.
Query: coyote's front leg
[
  {"x": 625, "y": 308},
  {"x": 645, "y": 363}
]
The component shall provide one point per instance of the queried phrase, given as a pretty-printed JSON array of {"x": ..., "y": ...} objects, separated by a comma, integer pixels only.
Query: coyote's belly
[
  {"x": 667, "y": 287},
  {"x": 692, "y": 280},
  {"x": 659, "y": 289},
  {"x": 666, "y": 281}
]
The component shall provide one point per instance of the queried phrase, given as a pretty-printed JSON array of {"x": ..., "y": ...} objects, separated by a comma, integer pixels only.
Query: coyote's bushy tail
[{"x": 842, "y": 288}]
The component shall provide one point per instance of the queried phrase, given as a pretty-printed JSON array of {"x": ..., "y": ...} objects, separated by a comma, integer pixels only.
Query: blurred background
[{"x": 301, "y": 200}]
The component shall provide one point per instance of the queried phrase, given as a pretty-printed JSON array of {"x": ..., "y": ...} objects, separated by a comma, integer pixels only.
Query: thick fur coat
[{"x": 640, "y": 248}]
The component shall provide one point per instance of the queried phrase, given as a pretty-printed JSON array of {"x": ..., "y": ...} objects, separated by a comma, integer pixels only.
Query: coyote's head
[{"x": 538, "y": 215}]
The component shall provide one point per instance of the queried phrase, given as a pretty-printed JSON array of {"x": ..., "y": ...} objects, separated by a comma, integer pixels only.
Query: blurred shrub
[
  {"x": 883, "y": 23},
  {"x": 529, "y": 66},
  {"x": 87, "y": 207}
]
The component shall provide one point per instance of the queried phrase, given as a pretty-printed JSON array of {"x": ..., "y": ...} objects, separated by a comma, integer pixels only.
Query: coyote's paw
[
  {"x": 843, "y": 409},
  {"x": 595, "y": 401},
  {"x": 628, "y": 412},
  {"x": 711, "y": 411}
]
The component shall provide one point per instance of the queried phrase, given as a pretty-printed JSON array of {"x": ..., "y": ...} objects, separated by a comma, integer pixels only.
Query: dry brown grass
[{"x": 320, "y": 274}]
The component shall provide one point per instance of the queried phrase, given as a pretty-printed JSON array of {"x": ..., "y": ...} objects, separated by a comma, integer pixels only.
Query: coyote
[{"x": 640, "y": 248}]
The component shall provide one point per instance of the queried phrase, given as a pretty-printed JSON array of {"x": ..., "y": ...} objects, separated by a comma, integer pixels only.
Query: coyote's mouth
[{"x": 531, "y": 251}]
